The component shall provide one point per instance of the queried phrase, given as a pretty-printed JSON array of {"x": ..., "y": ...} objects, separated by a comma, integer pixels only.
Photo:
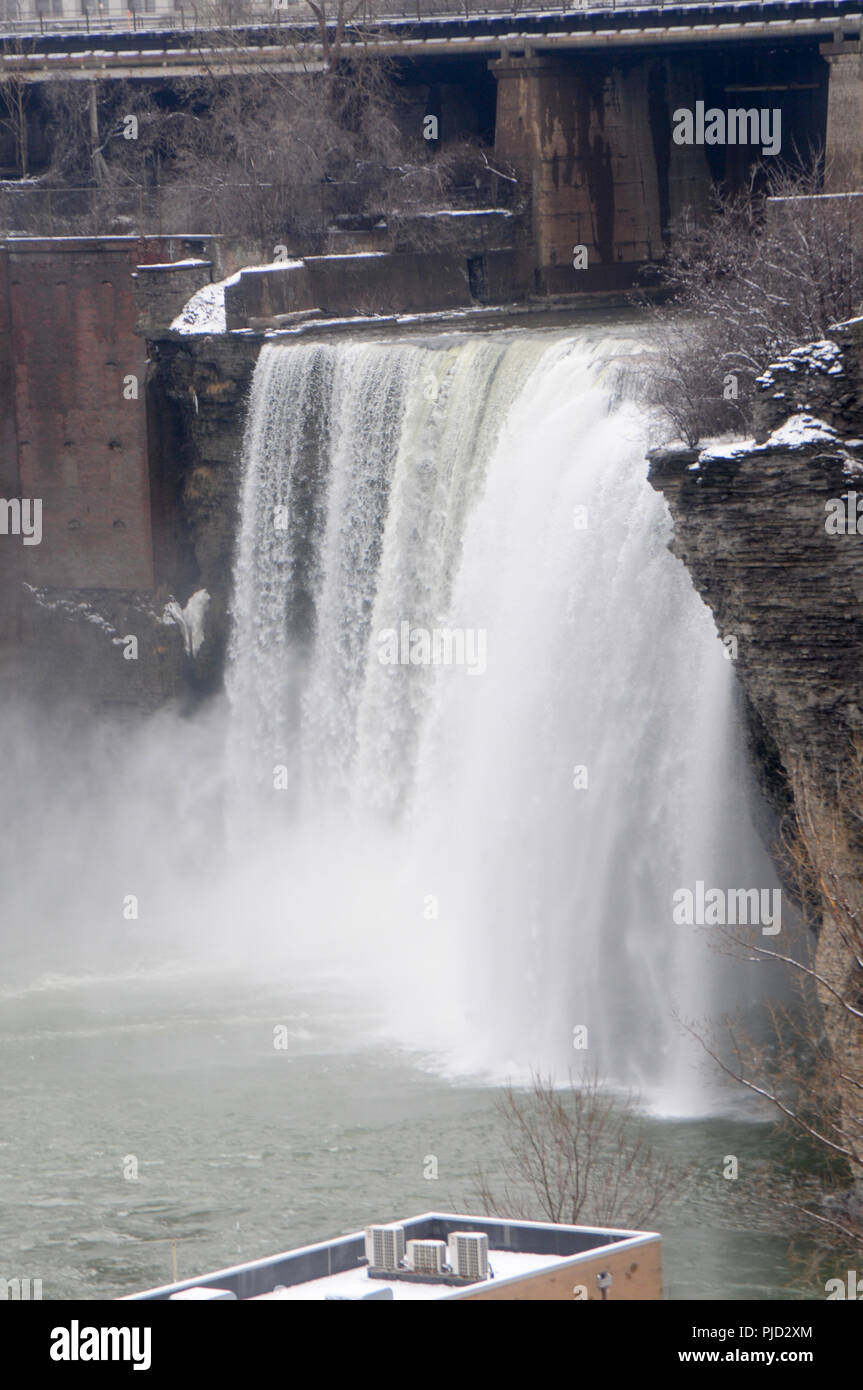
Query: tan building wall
[{"x": 636, "y": 1276}]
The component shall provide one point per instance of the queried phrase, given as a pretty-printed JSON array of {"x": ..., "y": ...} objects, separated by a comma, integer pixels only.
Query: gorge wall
[
  {"x": 768, "y": 530},
  {"x": 750, "y": 524}
]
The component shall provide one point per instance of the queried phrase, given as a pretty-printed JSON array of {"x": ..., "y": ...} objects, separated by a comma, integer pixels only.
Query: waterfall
[{"x": 481, "y": 725}]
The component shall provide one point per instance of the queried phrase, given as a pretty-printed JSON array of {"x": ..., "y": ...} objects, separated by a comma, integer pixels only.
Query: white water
[{"x": 430, "y": 850}]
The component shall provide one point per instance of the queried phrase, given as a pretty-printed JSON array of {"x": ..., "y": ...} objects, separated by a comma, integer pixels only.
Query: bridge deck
[{"x": 425, "y": 26}]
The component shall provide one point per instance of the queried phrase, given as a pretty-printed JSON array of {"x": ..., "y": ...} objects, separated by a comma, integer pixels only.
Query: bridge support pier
[
  {"x": 595, "y": 138},
  {"x": 844, "y": 146}
]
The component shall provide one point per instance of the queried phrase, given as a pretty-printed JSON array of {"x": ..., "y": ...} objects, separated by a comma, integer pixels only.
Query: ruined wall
[
  {"x": 10, "y": 484},
  {"x": 81, "y": 443},
  {"x": 73, "y": 436}
]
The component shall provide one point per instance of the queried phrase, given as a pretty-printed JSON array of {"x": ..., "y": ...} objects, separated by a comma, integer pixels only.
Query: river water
[{"x": 242, "y": 1151}]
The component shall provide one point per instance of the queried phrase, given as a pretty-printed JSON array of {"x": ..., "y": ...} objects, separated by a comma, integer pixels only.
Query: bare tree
[
  {"x": 774, "y": 266},
  {"x": 334, "y": 17},
  {"x": 15, "y": 100},
  {"x": 263, "y": 147},
  {"x": 578, "y": 1155}
]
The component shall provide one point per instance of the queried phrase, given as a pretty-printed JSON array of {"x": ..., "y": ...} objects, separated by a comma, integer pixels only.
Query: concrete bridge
[
  {"x": 586, "y": 103},
  {"x": 193, "y": 49}
]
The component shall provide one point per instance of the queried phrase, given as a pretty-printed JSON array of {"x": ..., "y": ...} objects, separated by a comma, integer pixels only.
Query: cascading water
[{"x": 480, "y": 719}]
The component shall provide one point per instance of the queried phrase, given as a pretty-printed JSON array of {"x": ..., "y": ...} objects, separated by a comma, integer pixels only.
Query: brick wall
[{"x": 69, "y": 433}]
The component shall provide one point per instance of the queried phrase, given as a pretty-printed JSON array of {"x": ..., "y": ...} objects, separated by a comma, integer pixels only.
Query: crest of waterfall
[{"x": 488, "y": 847}]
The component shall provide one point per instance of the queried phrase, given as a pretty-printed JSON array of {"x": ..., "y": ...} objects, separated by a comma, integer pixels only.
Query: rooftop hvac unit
[
  {"x": 468, "y": 1254},
  {"x": 385, "y": 1246},
  {"x": 426, "y": 1256}
]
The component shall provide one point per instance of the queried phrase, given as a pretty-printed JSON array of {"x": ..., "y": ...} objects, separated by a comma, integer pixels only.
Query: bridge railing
[{"x": 189, "y": 16}]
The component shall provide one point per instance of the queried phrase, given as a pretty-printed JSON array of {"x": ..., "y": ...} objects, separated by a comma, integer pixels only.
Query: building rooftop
[{"x": 526, "y": 1260}]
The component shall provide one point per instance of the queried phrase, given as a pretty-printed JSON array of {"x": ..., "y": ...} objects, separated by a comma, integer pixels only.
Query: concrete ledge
[
  {"x": 389, "y": 283},
  {"x": 364, "y": 283},
  {"x": 266, "y": 292},
  {"x": 161, "y": 290}
]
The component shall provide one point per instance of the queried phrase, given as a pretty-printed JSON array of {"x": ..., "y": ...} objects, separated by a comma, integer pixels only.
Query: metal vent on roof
[
  {"x": 468, "y": 1254},
  {"x": 426, "y": 1256},
  {"x": 385, "y": 1246}
]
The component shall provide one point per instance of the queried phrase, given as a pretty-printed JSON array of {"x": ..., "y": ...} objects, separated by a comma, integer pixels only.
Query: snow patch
[
  {"x": 735, "y": 450},
  {"x": 800, "y": 430},
  {"x": 171, "y": 265},
  {"x": 78, "y": 611},
  {"x": 823, "y": 356},
  {"x": 205, "y": 311},
  {"x": 466, "y": 212}
]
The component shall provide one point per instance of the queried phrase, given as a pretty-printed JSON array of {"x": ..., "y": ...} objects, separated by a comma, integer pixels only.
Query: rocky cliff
[
  {"x": 755, "y": 524},
  {"x": 771, "y": 531},
  {"x": 196, "y": 397}
]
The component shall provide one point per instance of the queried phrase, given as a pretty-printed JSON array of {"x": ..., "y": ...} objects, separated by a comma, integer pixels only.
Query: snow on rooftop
[{"x": 353, "y": 1283}]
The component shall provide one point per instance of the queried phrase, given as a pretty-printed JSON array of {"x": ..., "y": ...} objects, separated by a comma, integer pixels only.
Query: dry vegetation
[
  {"x": 757, "y": 279},
  {"x": 268, "y": 155},
  {"x": 806, "y": 1057},
  {"x": 578, "y": 1154}
]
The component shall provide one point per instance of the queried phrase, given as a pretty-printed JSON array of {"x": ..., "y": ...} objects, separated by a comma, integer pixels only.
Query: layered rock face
[
  {"x": 769, "y": 532},
  {"x": 751, "y": 526},
  {"x": 196, "y": 394}
]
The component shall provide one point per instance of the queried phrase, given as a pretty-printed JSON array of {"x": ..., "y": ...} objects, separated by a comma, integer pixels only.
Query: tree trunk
[
  {"x": 100, "y": 168},
  {"x": 23, "y": 133}
]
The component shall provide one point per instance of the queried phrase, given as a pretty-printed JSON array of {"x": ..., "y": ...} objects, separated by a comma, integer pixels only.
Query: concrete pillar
[
  {"x": 594, "y": 137},
  {"x": 844, "y": 151}
]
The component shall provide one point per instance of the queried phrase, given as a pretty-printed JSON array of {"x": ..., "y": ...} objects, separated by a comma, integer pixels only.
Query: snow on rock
[
  {"x": 190, "y": 620},
  {"x": 733, "y": 450},
  {"x": 797, "y": 432},
  {"x": 823, "y": 356},
  {"x": 853, "y": 468},
  {"x": 800, "y": 430}
]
